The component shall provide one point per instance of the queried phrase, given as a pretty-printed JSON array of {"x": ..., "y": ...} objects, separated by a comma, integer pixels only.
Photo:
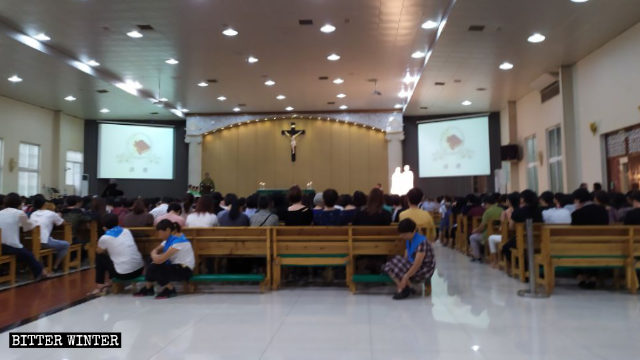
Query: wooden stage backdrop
[{"x": 330, "y": 154}]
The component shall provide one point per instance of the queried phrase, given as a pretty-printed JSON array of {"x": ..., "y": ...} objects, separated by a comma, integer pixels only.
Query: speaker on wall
[{"x": 510, "y": 152}]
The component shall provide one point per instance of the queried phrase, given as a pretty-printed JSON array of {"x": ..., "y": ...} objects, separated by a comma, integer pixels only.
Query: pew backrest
[
  {"x": 597, "y": 241},
  {"x": 317, "y": 240},
  {"x": 375, "y": 240}
]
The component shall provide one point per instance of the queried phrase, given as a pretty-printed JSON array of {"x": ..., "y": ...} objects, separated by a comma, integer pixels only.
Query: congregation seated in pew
[{"x": 47, "y": 220}]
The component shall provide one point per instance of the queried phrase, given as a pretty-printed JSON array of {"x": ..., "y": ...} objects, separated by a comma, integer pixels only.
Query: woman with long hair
[
  {"x": 233, "y": 216},
  {"x": 204, "y": 215},
  {"x": 373, "y": 213}
]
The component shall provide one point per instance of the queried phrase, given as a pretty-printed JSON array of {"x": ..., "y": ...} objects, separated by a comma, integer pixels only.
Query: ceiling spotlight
[
  {"x": 333, "y": 57},
  {"x": 429, "y": 24},
  {"x": 343, "y": 107},
  {"x": 163, "y": 99},
  {"x": 185, "y": 110},
  {"x": 409, "y": 79},
  {"x": 338, "y": 81},
  {"x": 15, "y": 79},
  {"x": 269, "y": 82},
  {"x": 70, "y": 98},
  {"x": 104, "y": 110},
  {"x": 403, "y": 94},
  {"x": 466, "y": 103},
  {"x": 203, "y": 84},
  {"x": 281, "y": 97},
  {"x": 236, "y": 109},
  {"x": 172, "y": 61},
  {"x": 134, "y": 34},
  {"x": 288, "y": 108},
  {"x": 418, "y": 54},
  {"x": 506, "y": 66},
  {"x": 222, "y": 98},
  {"x": 579, "y": 1},
  {"x": 252, "y": 59},
  {"x": 92, "y": 63},
  {"x": 341, "y": 96},
  {"x": 229, "y": 32},
  {"x": 328, "y": 28},
  {"x": 397, "y": 106},
  {"x": 536, "y": 38},
  {"x": 42, "y": 37}
]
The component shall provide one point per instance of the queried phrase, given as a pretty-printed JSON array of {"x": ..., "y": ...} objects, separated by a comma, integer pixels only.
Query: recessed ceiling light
[
  {"x": 466, "y": 103},
  {"x": 42, "y": 37},
  {"x": 328, "y": 28},
  {"x": 403, "y": 94},
  {"x": 229, "y": 32},
  {"x": 475, "y": 348},
  {"x": 92, "y": 63},
  {"x": 418, "y": 54},
  {"x": 15, "y": 79},
  {"x": 163, "y": 99},
  {"x": 288, "y": 108},
  {"x": 203, "y": 84},
  {"x": 269, "y": 82},
  {"x": 172, "y": 61},
  {"x": 333, "y": 57},
  {"x": 104, "y": 110},
  {"x": 429, "y": 24},
  {"x": 222, "y": 98},
  {"x": 281, "y": 97},
  {"x": 338, "y": 81},
  {"x": 134, "y": 34},
  {"x": 579, "y": 1},
  {"x": 397, "y": 106},
  {"x": 341, "y": 96},
  {"x": 252, "y": 59},
  {"x": 236, "y": 109},
  {"x": 536, "y": 38},
  {"x": 70, "y": 98},
  {"x": 506, "y": 66},
  {"x": 343, "y": 107},
  {"x": 185, "y": 110}
]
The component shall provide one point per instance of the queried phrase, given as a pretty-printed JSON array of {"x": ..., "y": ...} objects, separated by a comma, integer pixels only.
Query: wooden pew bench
[
  {"x": 8, "y": 260},
  {"x": 64, "y": 232},
  {"x": 519, "y": 252}
]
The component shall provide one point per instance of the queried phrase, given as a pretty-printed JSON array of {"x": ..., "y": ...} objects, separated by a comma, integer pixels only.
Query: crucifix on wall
[{"x": 292, "y": 133}]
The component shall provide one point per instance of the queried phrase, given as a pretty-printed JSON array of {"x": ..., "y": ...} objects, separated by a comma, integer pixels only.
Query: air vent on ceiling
[
  {"x": 550, "y": 92},
  {"x": 242, "y": 105},
  {"x": 331, "y": 102},
  {"x": 305, "y": 22},
  {"x": 102, "y": 91},
  {"x": 323, "y": 78},
  {"x": 476, "y": 28},
  {"x": 457, "y": 81},
  {"x": 439, "y": 83},
  {"x": 153, "y": 113},
  {"x": 145, "y": 27},
  {"x": 212, "y": 81},
  {"x": 481, "y": 89},
  {"x": 424, "y": 107}
]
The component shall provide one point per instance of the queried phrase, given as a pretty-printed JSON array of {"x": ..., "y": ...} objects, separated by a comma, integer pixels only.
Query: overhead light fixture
[
  {"x": 70, "y": 98},
  {"x": 418, "y": 54},
  {"x": 506, "y": 66},
  {"x": 475, "y": 348},
  {"x": 15, "y": 79},
  {"x": 203, "y": 84},
  {"x": 288, "y": 108},
  {"x": 397, "y": 106},
  {"x": 104, "y": 110},
  {"x": 229, "y": 32},
  {"x": 328, "y": 28},
  {"x": 185, "y": 110},
  {"x": 163, "y": 99},
  {"x": 579, "y": 1},
  {"x": 333, "y": 57},
  {"x": 466, "y": 103},
  {"x": 252, "y": 59},
  {"x": 338, "y": 81},
  {"x": 343, "y": 107},
  {"x": 172, "y": 61},
  {"x": 134, "y": 34},
  {"x": 281, "y": 97},
  {"x": 92, "y": 63},
  {"x": 429, "y": 24},
  {"x": 408, "y": 79},
  {"x": 222, "y": 98},
  {"x": 42, "y": 37},
  {"x": 236, "y": 109},
  {"x": 403, "y": 94},
  {"x": 536, "y": 38},
  {"x": 269, "y": 82},
  {"x": 341, "y": 96}
]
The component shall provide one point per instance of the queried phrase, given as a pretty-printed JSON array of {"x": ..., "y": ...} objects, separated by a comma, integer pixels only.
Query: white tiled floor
[{"x": 471, "y": 305}]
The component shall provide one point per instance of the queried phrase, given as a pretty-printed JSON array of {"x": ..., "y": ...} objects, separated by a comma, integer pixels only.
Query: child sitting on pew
[{"x": 172, "y": 260}]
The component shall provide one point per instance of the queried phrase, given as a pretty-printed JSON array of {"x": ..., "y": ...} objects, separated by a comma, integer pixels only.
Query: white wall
[
  {"x": 53, "y": 131},
  {"x": 607, "y": 92}
]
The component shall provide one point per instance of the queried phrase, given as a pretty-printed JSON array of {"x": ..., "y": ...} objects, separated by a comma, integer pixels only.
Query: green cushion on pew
[
  {"x": 588, "y": 257},
  {"x": 371, "y": 278},
  {"x": 138, "y": 279},
  {"x": 227, "y": 277},
  {"x": 313, "y": 255}
]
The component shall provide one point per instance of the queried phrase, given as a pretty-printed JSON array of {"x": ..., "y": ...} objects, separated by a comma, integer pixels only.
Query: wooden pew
[
  {"x": 505, "y": 234},
  {"x": 11, "y": 261},
  {"x": 64, "y": 232},
  {"x": 89, "y": 231},
  {"x": 462, "y": 234},
  {"x": 325, "y": 246},
  {"x": 31, "y": 240},
  {"x": 372, "y": 240},
  {"x": 494, "y": 228},
  {"x": 519, "y": 252},
  {"x": 635, "y": 238},
  {"x": 609, "y": 246}
]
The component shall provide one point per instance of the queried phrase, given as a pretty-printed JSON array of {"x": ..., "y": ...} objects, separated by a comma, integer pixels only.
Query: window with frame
[
  {"x": 532, "y": 163},
  {"x": 554, "y": 151},
  {"x": 73, "y": 170},
  {"x": 28, "y": 169}
]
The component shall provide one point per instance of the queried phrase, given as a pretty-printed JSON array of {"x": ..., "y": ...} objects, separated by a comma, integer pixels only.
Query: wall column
[
  {"x": 195, "y": 158},
  {"x": 394, "y": 151}
]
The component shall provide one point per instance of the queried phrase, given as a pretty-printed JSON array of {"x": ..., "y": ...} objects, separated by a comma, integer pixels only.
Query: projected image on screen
[
  {"x": 454, "y": 148},
  {"x": 135, "y": 152}
]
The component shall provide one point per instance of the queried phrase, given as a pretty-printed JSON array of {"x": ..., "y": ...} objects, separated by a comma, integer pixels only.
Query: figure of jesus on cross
[{"x": 292, "y": 133}]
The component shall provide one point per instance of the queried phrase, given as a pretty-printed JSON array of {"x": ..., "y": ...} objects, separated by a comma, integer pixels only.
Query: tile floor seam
[{"x": 279, "y": 327}]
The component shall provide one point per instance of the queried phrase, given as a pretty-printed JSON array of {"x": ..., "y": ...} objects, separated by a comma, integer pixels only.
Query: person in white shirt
[
  {"x": 47, "y": 220},
  {"x": 117, "y": 254},
  {"x": 204, "y": 215},
  {"x": 11, "y": 220},
  {"x": 172, "y": 260},
  {"x": 160, "y": 209},
  {"x": 558, "y": 214}
]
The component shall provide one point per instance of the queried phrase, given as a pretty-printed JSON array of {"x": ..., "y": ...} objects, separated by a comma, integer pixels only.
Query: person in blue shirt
[
  {"x": 418, "y": 263},
  {"x": 329, "y": 215}
]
